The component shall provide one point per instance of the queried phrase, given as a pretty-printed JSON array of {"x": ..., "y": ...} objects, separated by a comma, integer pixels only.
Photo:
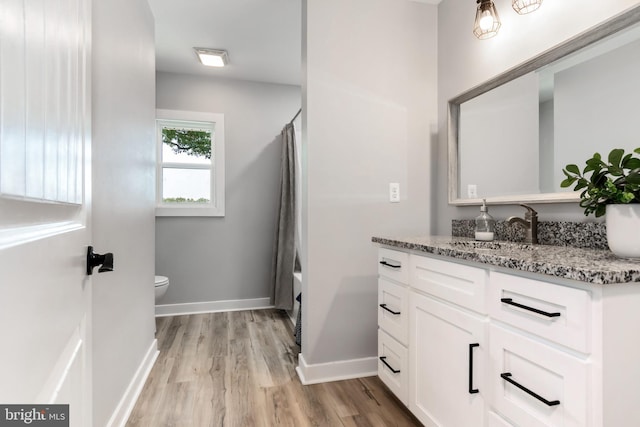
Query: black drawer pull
[
  {"x": 506, "y": 376},
  {"x": 386, "y": 264},
  {"x": 535, "y": 310},
  {"x": 471, "y": 389},
  {"x": 389, "y": 310},
  {"x": 383, "y": 359}
]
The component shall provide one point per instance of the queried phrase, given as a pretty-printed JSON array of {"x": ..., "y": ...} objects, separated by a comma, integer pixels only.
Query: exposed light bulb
[{"x": 486, "y": 21}]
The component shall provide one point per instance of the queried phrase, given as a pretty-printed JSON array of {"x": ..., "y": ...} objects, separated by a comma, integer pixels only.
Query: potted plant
[{"x": 612, "y": 187}]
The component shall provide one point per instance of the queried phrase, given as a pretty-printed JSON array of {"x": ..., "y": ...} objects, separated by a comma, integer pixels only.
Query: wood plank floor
[{"x": 238, "y": 369}]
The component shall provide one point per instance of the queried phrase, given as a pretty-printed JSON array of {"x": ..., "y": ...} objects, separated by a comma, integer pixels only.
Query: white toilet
[{"x": 162, "y": 284}]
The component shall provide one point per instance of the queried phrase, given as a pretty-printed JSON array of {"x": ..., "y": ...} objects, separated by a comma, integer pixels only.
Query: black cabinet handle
[
  {"x": 386, "y": 264},
  {"x": 389, "y": 310},
  {"x": 535, "y": 310},
  {"x": 471, "y": 389},
  {"x": 383, "y": 359},
  {"x": 507, "y": 377}
]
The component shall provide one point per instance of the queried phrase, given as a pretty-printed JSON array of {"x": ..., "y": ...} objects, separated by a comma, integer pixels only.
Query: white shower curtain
[{"x": 284, "y": 253}]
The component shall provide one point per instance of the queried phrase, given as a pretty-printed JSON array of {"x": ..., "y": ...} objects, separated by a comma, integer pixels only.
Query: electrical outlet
[
  {"x": 394, "y": 192},
  {"x": 472, "y": 191}
]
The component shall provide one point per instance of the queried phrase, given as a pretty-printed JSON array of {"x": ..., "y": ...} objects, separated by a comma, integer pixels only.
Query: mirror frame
[{"x": 605, "y": 29}]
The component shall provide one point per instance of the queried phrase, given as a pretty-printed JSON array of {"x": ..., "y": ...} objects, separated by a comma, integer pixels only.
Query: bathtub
[{"x": 297, "y": 287}]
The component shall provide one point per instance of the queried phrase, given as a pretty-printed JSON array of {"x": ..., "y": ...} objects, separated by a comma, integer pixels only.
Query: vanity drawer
[
  {"x": 393, "y": 309},
  {"x": 555, "y": 376},
  {"x": 459, "y": 284},
  {"x": 394, "y": 265},
  {"x": 554, "y": 312},
  {"x": 392, "y": 356}
]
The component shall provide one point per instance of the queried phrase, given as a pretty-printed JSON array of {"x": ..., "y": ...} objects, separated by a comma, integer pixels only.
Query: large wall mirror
[{"x": 510, "y": 137}]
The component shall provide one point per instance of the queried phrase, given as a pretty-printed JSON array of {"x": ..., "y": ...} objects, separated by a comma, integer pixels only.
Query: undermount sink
[{"x": 474, "y": 244}]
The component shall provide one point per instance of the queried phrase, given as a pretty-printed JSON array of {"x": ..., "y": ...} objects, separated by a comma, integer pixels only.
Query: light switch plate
[
  {"x": 394, "y": 192},
  {"x": 472, "y": 191}
]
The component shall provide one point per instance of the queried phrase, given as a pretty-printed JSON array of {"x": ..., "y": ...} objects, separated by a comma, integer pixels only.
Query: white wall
[
  {"x": 229, "y": 258},
  {"x": 369, "y": 111},
  {"x": 464, "y": 62},
  {"x": 123, "y": 195}
]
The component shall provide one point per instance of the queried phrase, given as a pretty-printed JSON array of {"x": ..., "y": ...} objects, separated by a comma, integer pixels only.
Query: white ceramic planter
[{"x": 623, "y": 230}]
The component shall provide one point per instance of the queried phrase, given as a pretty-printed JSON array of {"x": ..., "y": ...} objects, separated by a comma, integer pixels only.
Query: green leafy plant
[
  {"x": 603, "y": 183},
  {"x": 191, "y": 142}
]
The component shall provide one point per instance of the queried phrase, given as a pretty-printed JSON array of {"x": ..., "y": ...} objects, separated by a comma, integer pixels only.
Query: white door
[
  {"x": 45, "y": 293},
  {"x": 447, "y": 353}
]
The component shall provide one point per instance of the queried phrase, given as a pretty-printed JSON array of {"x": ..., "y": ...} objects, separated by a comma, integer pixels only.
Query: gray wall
[
  {"x": 369, "y": 113},
  {"x": 464, "y": 62},
  {"x": 123, "y": 121},
  {"x": 609, "y": 86},
  {"x": 546, "y": 147},
  {"x": 500, "y": 124},
  {"x": 229, "y": 258}
]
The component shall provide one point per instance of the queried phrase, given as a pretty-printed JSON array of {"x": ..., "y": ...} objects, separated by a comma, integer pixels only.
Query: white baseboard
[
  {"x": 336, "y": 371},
  {"x": 128, "y": 401},
  {"x": 212, "y": 306}
]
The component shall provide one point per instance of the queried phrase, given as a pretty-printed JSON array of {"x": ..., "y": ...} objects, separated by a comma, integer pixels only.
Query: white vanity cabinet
[
  {"x": 540, "y": 346},
  {"x": 447, "y": 343},
  {"x": 571, "y": 347},
  {"x": 393, "y": 321},
  {"x": 533, "y": 384},
  {"x": 485, "y": 346}
]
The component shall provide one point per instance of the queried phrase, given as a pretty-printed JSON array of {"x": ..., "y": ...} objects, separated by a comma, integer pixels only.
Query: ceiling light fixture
[
  {"x": 487, "y": 21},
  {"x": 525, "y": 6},
  {"x": 212, "y": 57}
]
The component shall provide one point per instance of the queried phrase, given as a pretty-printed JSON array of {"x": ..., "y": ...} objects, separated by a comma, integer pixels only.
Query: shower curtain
[{"x": 284, "y": 254}]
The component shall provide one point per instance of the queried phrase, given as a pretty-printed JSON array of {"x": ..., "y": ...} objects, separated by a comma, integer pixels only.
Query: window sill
[{"x": 189, "y": 211}]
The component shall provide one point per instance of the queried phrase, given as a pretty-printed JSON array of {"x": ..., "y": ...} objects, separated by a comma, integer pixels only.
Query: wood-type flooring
[{"x": 237, "y": 369}]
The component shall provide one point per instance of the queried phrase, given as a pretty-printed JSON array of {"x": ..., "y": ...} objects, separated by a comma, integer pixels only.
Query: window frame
[{"x": 215, "y": 208}]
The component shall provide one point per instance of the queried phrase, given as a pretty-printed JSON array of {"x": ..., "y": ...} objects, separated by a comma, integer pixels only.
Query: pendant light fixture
[
  {"x": 487, "y": 20},
  {"x": 525, "y": 6}
]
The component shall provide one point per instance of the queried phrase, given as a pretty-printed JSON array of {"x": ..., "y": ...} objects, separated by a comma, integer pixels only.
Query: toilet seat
[{"x": 161, "y": 281}]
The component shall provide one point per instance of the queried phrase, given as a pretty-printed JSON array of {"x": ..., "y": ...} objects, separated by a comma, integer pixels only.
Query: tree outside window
[{"x": 188, "y": 165}]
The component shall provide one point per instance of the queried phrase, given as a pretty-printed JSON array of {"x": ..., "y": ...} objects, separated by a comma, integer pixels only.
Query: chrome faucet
[{"x": 530, "y": 224}]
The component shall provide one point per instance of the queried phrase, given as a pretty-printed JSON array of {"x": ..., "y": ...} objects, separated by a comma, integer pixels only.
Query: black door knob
[{"x": 104, "y": 261}]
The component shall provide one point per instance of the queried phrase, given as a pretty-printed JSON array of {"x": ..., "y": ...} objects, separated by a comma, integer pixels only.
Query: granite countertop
[{"x": 597, "y": 266}]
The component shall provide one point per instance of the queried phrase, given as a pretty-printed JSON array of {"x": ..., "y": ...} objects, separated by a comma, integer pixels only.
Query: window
[{"x": 190, "y": 179}]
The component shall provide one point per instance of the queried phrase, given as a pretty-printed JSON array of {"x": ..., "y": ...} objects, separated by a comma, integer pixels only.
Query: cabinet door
[
  {"x": 447, "y": 364},
  {"x": 535, "y": 385}
]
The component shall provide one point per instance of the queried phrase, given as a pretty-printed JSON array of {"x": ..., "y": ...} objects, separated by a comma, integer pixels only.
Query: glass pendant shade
[
  {"x": 525, "y": 6},
  {"x": 487, "y": 20}
]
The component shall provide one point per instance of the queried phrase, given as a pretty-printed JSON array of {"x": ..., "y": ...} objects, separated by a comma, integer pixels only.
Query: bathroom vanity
[{"x": 505, "y": 334}]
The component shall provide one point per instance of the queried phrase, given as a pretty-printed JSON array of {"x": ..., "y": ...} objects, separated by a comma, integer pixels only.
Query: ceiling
[{"x": 262, "y": 37}]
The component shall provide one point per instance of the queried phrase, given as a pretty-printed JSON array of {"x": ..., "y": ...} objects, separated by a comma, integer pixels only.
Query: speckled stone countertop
[{"x": 597, "y": 266}]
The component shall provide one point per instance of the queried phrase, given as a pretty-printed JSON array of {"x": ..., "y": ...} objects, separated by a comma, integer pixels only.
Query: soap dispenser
[{"x": 485, "y": 224}]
